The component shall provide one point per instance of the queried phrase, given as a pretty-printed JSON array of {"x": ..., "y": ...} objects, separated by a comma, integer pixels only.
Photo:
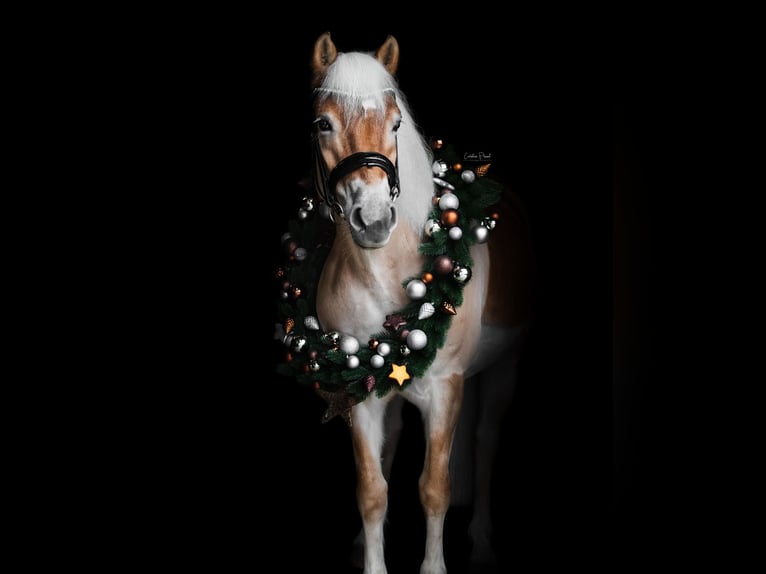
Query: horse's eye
[
  {"x": 323, "y": 125},
  {"x": 397, "y": 125}
]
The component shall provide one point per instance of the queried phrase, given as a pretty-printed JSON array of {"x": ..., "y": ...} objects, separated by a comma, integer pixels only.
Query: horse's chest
[{"x": 356, "y": 310}]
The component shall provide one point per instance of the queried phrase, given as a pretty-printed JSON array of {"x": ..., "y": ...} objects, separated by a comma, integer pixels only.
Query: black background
[{"x": 243, "y": 469}]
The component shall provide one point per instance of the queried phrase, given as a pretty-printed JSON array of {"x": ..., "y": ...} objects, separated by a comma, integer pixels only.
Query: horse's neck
[{"x": 358, "y": 287}]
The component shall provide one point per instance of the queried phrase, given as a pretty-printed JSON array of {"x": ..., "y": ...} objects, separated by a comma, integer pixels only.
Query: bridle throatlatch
[{"x": 327, "y": 182}]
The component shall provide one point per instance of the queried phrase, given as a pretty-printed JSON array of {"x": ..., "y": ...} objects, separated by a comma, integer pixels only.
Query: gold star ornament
[{"x": 399, "y": 373}]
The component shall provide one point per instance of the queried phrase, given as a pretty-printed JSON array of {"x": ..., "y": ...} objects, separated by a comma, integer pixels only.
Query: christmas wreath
[{"x": 343, "y": 370}]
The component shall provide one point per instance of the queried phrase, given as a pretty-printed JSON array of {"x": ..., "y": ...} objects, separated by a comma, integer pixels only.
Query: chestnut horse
[{"x": 378, "y": 181}]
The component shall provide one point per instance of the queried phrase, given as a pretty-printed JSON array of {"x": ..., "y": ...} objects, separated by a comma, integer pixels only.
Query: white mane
[{"x": 356, "y": 79}]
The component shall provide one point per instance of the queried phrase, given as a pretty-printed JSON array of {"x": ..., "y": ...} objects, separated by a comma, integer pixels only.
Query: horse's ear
[
  {"x": 325, "y": 53},
  {"x": 388, "y": 54}
]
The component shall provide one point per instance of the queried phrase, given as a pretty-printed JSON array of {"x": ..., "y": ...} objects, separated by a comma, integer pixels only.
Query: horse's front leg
[
  {"x": 372, "y": 488},
  {"x": 440, "y": 417}
]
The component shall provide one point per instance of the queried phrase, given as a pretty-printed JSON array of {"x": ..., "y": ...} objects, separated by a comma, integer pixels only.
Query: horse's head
[{"x": 355, "y": 134}]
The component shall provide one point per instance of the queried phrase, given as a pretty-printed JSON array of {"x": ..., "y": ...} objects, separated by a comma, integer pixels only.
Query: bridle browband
[{"x": 326, "y": 182}]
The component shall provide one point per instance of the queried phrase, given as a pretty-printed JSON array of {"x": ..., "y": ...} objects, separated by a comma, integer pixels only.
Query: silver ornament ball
[
  {"x": 480, "y": 233},
  {"x": 449, "y": 201},
  {"x": 349, "y": 344},
  {"x": 455, "y": 233},
  {"x": 417, "y": 339},
  {"x": 416, "y": 289}
]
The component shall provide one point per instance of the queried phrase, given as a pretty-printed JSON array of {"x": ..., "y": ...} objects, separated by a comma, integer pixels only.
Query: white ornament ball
[
  {"x": 383, "y": 349},
  {"x": 416, "y": 289},
  {"x": 352, "y": 361},
  {"x": 417, "y": 339},
  {"x": 480, "y": 234},
  {"x": 376, "y": 361},
  {"x": 455, "y": 233},
  {"x": 449, "y": 201},
  {"x": 468, "y": 176},
  {"x": 349, "y": 344}
]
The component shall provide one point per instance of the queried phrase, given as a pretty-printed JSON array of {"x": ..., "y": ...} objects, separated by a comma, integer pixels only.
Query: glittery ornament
[
  {"x": 489, "y": 223},
  {"x": 482, "y": 170},
  {"x": 308, "y": 203},
  {"x": 447, "y": 308},
  {"x": 369, "y": 382},
  {"x": 295, "y": 292},
  {"x": 311, "y": 323},
  {"x": 289, "y": 324},
  {"x": 468, "y": 176},
  {"x": 393, "y": 322},
  {"x": 404, "y": 351},
  {"x": 436, "y": 143},
  {"x": 426, "y": 310},
  {"x": 443, "y": 183},
  {"x": 313, "y": 366},
  {"x": 338, "y": 404},
  {"x": 372, "y": 344}
]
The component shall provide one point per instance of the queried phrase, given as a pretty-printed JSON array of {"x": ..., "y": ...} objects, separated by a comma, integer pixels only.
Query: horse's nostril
[
  {"x": 393, "y": 216},
  {"x": 356, "y": 219}
]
